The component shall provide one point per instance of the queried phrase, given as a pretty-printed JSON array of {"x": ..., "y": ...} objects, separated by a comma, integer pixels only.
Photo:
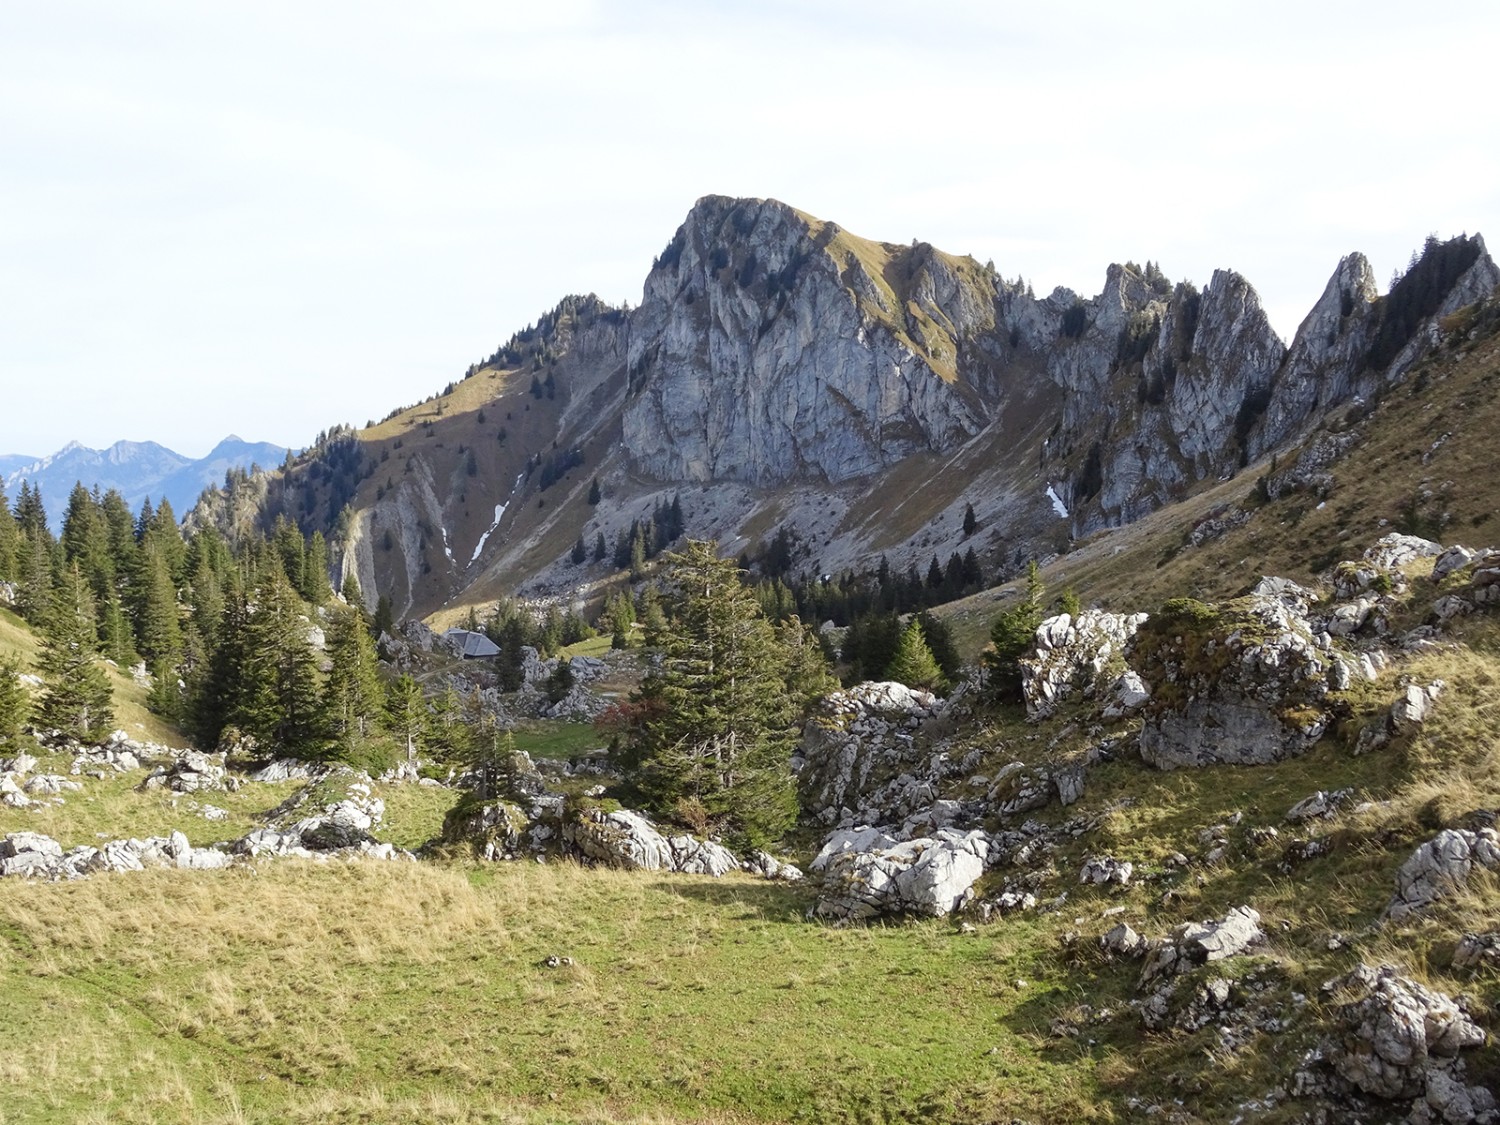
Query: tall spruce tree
[
  {"x": 158, "y": 628},
  {"x": 353, "y": 698},
  {"x": 281, "y": 706},
  {"x": 717, "y": 722},
  {"x": 406, "y": 714},
  {"x": 10, "y": 540},
  {"x": 76, "y": 696},
  {"x": 316, "y": 588},
  {"x": 15, "y": 704}
]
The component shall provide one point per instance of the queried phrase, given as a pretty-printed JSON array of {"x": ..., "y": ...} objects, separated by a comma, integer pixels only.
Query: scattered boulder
[
  {"x": 866, "y": 874},
  {"x": 626, "y": 839},
  {"x": 1320, "y": 806},
  {"x": 1122, "y": 941},
  {"x": 1198, "y": 943},
  {"x": 1441, "y": 866},
  {"x": 768, "y": 866},
  {"x": 191, "y": 771},
  {"x": 1409, "y": 710},
  {"x": 1477, "y": 951},
  {"x": 1102, "y": 871},
  {"x": 1397, "y": 1040}
]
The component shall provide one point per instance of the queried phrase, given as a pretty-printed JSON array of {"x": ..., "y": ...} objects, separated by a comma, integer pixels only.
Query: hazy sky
[{"x": 269, "y": 218}]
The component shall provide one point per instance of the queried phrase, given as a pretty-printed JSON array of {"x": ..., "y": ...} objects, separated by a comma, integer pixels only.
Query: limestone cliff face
[
  {"x": 1354, "y": 340},
  {"x": 768, "y": 349},
  {"x": 859, "y": 394},
  {"x": 772, "y": 348}
]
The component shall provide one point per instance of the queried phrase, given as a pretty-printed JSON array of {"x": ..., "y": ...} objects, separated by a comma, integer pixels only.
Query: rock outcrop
[
  {"x": 1243, "y": 683},
  {"x": 1074, "y": 654},
  {"x": 1442, "y": 866},
  {"x": 860, "y": 762},
  {"x": 1399, "y": 1041}
]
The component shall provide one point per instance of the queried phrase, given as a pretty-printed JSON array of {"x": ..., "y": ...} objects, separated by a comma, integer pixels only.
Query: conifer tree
[
  {"x": 939, "y": 639},
  {"x": 10, "y": 540},
  {"x": 717, "y": 721},
  {"x": 1012, "y": 636},
  {"x": 158, "y": 629},
  {"x": 85, "y": 541},
  {"x": 31, "y": 513},
  {"x": 914, "y": 664},
  {"x": 163, "y": 533},
  {"x": 218, "y": 688},
  {"x": 580, "y": 551},
  {"x": 76, "y": 696},
  {"x": 116, "y": 641},
  {"x": 282, "y": 705},
  {"x": 14, "y": 702},
  {"x": 291, "y": 549},
  {"x": 971, "y": 523},
  {"x": 316, "y": 588},
  {"x": 594, "y": 495},
  {"x": 34, "y": 574},
  {"x": 353, "y": 697},
  {"x": 120, "y": 529},
  {"x": 406, "y": 714}
]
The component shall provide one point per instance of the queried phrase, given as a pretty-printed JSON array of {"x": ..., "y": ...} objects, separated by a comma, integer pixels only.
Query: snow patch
[
  {"x": 1057, "y": 505},
  {"x": 447, "y": 550},
  {"x": 499, "y": 511}
]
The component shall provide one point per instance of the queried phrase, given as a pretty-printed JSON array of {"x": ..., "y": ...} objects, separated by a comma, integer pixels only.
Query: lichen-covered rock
[
  {"x": 1072, "y": 654},
  {"x": 1243, "y": 683},
  {"x": 1395, "y": 1034},
  {"x": 1440, "y": 867},
  {"x": 866, "y": 874}
]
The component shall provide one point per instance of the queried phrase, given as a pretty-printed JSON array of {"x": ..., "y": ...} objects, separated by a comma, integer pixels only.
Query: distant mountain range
[{"x": 136, "y": 469}]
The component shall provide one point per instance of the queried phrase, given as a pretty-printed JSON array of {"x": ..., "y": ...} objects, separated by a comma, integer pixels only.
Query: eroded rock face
[
  {"x": 738, "y": 382},
  {"x": 866, "y": 873},
  {"x": 1243, "y": 683},
  {"x": 1073, "y": 654},
  {"x": 860, "y": 762}
]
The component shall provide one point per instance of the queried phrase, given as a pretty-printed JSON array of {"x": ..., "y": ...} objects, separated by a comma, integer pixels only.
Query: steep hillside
[
  {"x": 781, "y": 373},
  {"x": 1414, "y": 458}
]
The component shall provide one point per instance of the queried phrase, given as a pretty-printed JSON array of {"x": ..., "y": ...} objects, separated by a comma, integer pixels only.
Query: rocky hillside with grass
[{"x": 783, "y": 374}]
